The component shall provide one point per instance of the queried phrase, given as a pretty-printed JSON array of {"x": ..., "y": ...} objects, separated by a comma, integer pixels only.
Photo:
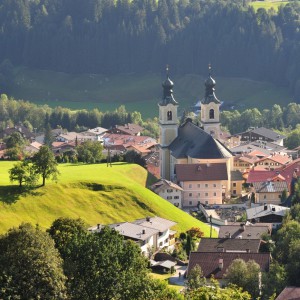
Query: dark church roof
[
  {"x": 168, "y": 92},
  {"x": 194, "y": 142}
]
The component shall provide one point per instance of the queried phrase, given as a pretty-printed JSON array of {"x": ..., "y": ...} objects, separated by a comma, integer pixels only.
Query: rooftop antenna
[
  {"x": 167, "y": 70},
  {"x": 209, "y": 69}
]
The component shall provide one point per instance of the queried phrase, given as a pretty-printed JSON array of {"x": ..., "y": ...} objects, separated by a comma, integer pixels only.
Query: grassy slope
[
  {"x": 95, "y": 193},
  {"x": 267, "y": 4},
  {"x": 137, "y": 92}
]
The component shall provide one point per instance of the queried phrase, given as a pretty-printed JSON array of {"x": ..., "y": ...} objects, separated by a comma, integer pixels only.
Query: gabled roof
[
  {"x": 270, "y": 187},
  {"x": 209, "y": 261},
  {"x": 229, "y": 245},
  {"x": 265, "y": 210},
  {"x": 281, "y": 159},
  {"x": 248, "y": 231},
  {"x": 289, "y": 293},
  {"x": 268, "y": 133},
  {"x": 201, "y": 172},
  {"x": 165, "y": 184},
  {"x": 158, "y": 223},
  {"x": 130, "y": 128},
  {"x": 262, "y": 176},
  {"x": 194, "y": 142}
]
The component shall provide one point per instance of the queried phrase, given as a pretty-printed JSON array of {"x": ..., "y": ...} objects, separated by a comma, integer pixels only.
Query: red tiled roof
[
  {"x": 209, "y": 261},
  {"x": 201, "y": 172},
  {"x": 281, "y": 159}
]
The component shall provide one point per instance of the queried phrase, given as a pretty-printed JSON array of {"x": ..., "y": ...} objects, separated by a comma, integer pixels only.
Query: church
[{"x": 192, "y": 156}]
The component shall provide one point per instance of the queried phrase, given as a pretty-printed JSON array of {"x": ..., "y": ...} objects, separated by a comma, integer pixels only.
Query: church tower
[
  {"x": 167, "y": 125},
  {"x": 210, "y": 108}
]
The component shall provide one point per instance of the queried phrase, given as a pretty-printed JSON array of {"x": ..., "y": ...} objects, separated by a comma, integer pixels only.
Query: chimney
[
  {"x": 248, "y": 250},
  {"x": 143, "y": 231},
  {"x": 273, "y": 208},
  {"x": 221, "y": 263},
  {"x": 148, "y": 219},
  {"x": 265, "y": 206},
  {"x": 242, "y": 227}
]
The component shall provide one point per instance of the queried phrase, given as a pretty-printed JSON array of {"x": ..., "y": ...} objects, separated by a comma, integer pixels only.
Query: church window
[
  {"x": 211, "y": 114},
  {"x": 169, "y": 115}
]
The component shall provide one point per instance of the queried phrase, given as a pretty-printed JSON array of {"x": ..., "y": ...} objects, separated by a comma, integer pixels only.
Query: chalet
[
  {"x": 262, "y": 134},
  {"x": 272, "y": 162},
  {"x": 169, "y": 191},
  {"x": 268, "y": 192},
  {"x": 244, "y": 162},
  {"x": 73, "y": 136},
  {"x": 26, "y": 134},
  {"x": 33, "y": 147},
  {"x": 267, "y": 213}
]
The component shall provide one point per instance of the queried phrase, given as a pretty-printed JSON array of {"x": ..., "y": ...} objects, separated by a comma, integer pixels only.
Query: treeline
[
  {"x": 107, "y": 36},
  {"x": 37, "y": 117}
]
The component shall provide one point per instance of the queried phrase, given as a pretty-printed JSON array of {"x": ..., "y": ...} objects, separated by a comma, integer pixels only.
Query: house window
[
  {"x": 166, "y": 240},
  {"x": 198, "y": 194},
  {"x": 160, "y": 244},
  {"x": 169, "y": 191},
  {"x": 265, "y": 196},
  {"x": 206, "y": 194},
  {"x": 215, "y": 194},
  {"x": 191, "y": 202},
  {"x": 169, "y": 197},
  {"x": 214, "y": 185},
  {"x": 176, "y": 197},
  {"x": 190, "y": 186},
  {"x": 206, "y": 202},
  {"x": 206, "y": 185},
  {"x": 198, "y": 185},
  {"x": 234, "y": 192},
  {"x": 234, "y": 184},
  {"x": 190, "y": 194}
]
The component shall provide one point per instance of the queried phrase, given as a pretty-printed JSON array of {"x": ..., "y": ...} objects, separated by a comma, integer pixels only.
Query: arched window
[
  {"x": 211, "y": 114},
  {"x": 169, "y": 115}
]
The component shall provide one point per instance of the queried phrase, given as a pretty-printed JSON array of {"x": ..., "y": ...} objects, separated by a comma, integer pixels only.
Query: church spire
[
  {"x": 210, "y": 84},
  {"x": 168, "y": 90}
]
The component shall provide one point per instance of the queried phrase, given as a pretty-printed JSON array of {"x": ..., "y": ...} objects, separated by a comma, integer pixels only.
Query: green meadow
[
  {"x": 96, "y": 193},
  {"x": 267, "y": 4},
  {"x": 138, "y": 92}
]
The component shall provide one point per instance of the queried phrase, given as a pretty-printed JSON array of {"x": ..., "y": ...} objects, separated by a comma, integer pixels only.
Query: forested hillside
[{"x": 123, "y": 36}]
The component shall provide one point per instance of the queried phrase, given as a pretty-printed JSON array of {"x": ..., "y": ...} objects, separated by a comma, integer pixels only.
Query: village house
[
  {"x": 129, "y": 129},
  {"x": 169, "y": 191},
  {"x": 272, "y": 162},
  {"x": 268, "y": 192},
  {"x": 150, "y": 233}
]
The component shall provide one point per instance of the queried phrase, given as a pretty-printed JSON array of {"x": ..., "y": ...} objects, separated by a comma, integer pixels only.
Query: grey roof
[
  {"x": 228, "y": 245},
  {"x": 236, "y": 176},
  {"x": 134, "y": 231},
  {"x": 158, "y": 223},
  {"x": 270, "y": 186},
  {"x": 268, "y": 133},
  {"x": 164, "y": 184},
  {"x": 262, "y": 146},
  {"x": 165, "y": 264},
  {"x": 194, "y": 142},
  {"x": 265, "y": 210},
  {"x": 248, "y": 232}
]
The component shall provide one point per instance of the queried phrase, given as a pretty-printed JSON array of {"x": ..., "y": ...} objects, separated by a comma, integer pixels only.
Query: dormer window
[{"x": 211, "y": 114}]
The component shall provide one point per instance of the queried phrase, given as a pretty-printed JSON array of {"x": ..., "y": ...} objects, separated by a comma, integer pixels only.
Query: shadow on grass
[{"x": 11, "y": 193}]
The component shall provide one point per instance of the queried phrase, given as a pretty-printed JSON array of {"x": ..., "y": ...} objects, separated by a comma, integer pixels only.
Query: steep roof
[
  {"x": 209, "y": 261},
  {"x": 268, "y": 133},
  {"x": 201, "y": 172},
  {"x": 228, "y": 245},
  {"x": 248, "y": 231},
  {"x": 194, "y": 142}
]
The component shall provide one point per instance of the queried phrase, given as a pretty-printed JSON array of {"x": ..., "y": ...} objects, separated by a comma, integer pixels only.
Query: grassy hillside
[
  {"x": 267, "y": 4},
  {"x": 138, "y": 92},
  {"x": 95, "y": 193}
]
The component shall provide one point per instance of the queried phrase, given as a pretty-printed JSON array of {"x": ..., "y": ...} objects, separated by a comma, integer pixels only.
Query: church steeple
[
  {"x": 167, "y": 124},
  {"x": 168, "y": 90},
  {"x": 210, "y": 84},
  {"x": 210, "y": 107}
]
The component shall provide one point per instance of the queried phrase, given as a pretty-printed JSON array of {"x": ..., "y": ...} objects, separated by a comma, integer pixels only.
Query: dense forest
[{"x": 124, "y": 36}]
